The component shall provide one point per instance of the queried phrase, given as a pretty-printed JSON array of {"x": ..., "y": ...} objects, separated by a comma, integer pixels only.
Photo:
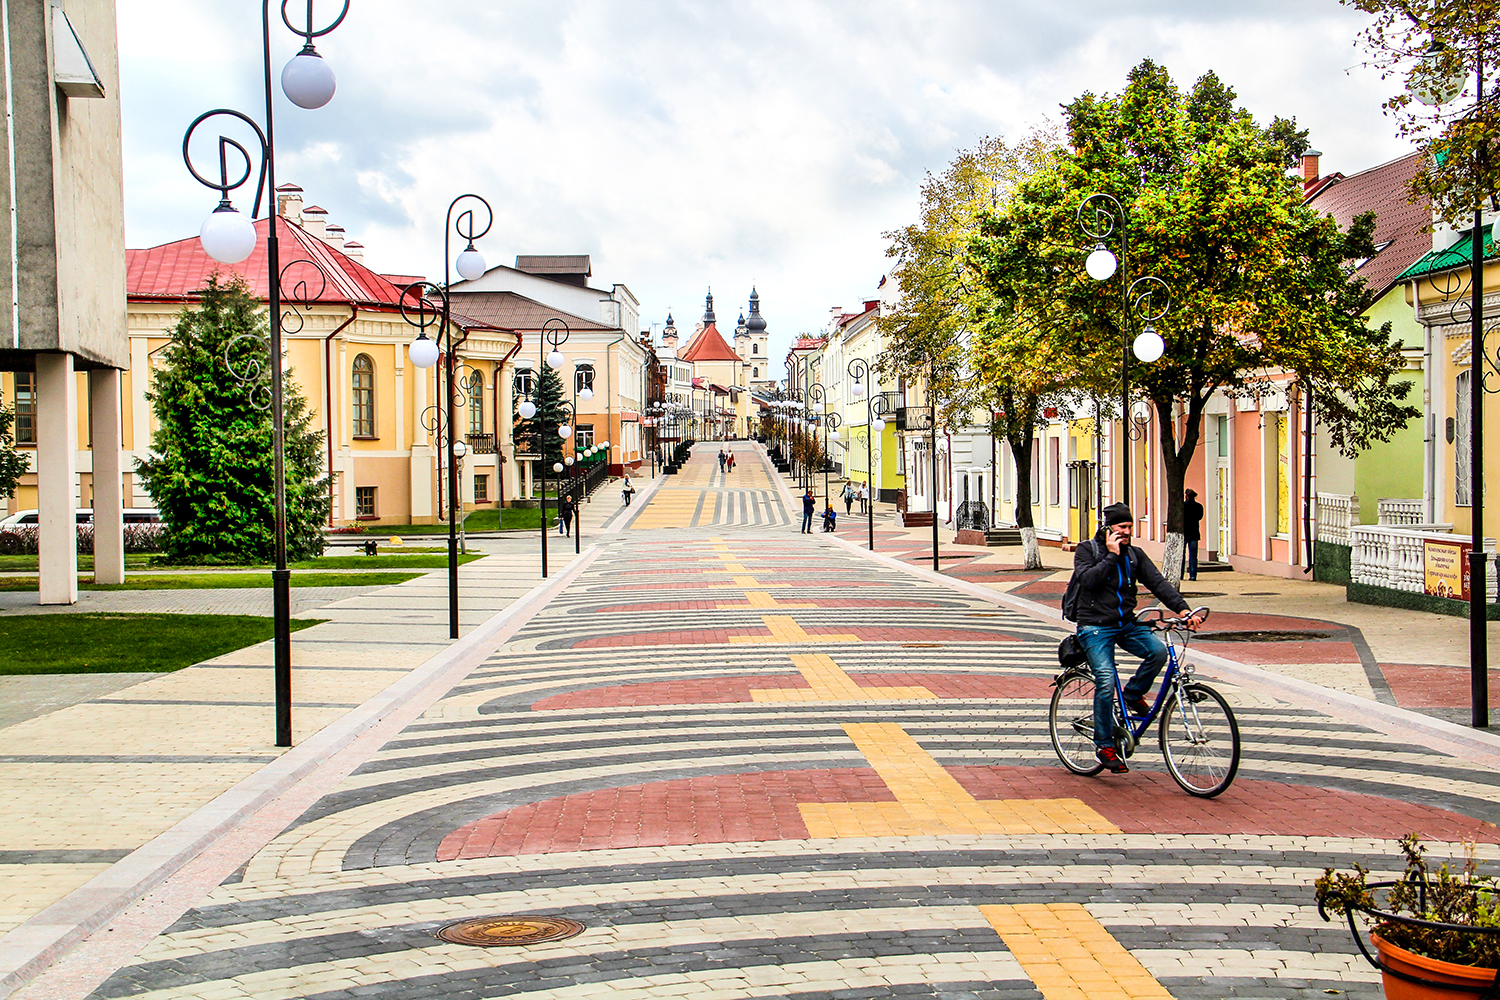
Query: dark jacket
[
  {"x": 565, "y": 510},
  {"x": 1192, "y": 518},
  {"x": 1107, "y": 583},
  {"x": 809, "y": 504}
]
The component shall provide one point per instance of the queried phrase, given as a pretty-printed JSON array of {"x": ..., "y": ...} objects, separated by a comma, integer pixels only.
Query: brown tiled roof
[
  {"x": 509, "y": 311},
  {"x": 709, "y": 345},
  {"x": 556, "y": 263},
  {"x": 1399, "y": 223}
]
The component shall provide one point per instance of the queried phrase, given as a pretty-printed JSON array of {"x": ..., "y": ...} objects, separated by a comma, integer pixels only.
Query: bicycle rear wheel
[
  {"x": 1200, "y": 741},
  {"x": 1070, "y": 720}
]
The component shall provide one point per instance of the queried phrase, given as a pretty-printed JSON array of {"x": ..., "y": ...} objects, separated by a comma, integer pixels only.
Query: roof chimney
[
  {"x": 289, "y": 202},
  {"x": 314, "y": 219},
  {"x": 334, "y": 236},
  {"x": 1310, "y": 168},
  {"x": 871, "y": 304},
  {"x": 354, "y": 251}
]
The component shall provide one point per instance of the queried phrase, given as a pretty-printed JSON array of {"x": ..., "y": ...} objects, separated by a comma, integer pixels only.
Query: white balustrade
[
  {"x": 1392, "y": 557},
  {"x": 1336, "y": 515},
  {"x": 1400, "y": 512}
]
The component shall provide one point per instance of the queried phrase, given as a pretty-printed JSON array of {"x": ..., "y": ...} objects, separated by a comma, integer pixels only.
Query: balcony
[{"x": 480, "y": 444}]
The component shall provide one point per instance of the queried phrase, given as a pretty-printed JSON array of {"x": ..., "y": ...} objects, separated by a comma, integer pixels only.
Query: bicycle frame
[{"x": 1176, "y": 675}]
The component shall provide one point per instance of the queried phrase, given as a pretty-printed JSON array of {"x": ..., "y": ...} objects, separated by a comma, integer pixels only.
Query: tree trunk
[
  {"x": 1172, "y": 556},
  {"x": 1021, "y": 444},
  {"x": 1029, "y": 547},
  {"x": 1175, "y": 461}
]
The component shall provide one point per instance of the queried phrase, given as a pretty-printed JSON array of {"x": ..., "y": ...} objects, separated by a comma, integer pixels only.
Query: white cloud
[{"x": 684, "y": 144}]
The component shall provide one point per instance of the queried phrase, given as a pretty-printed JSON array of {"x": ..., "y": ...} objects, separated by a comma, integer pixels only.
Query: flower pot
[{"x": 1475, "y": 978}]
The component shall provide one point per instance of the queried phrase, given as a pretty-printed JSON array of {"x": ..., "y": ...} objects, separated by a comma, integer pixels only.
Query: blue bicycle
[{"x": 1199, "y": 737}]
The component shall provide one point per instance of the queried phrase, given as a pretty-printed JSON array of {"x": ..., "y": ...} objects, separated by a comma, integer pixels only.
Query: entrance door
[{"x": 1224, "y": 505}]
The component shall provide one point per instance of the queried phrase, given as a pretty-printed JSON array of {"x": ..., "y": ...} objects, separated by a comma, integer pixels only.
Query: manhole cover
[
  {"x": 491, "y": 932},
  {"x": 1263, "y": 636}
]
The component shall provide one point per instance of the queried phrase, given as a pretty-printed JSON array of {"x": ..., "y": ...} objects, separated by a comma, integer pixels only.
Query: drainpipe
[
  {"x": 495, "y": 417},
  {"x": 1429, "y": 418},
  {"x": 609, "y": 378},
  {"x": 1309, "y": 479},
  {"x": 328, "y": 395}
]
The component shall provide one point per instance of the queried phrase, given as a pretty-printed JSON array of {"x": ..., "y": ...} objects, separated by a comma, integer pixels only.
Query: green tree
[
  {"x": 13, "y": 464},
  {"x": 1459, "y": 171},
  {"x": 210, "y": 471},
  {"x": 1257, "y": 277},
  {"x": 539, "y": 434}
]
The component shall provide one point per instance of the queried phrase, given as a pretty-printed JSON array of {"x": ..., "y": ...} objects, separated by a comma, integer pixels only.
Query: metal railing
[{"x": 973, "y": 515}]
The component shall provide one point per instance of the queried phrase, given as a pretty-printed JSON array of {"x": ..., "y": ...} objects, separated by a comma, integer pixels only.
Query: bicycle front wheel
[
  {"x": 1071, "y": 723},
  {"x": 1200, "y": 741}
]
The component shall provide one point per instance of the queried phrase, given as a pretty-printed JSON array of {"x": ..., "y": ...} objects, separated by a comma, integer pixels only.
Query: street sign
[{"x": 914, "y": 418}]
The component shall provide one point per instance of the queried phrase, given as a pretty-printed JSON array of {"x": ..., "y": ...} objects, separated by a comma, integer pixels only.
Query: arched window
[
  {"x": 363, "y": 408},
  {"x": 583, "y": 377},
  {"x": 754, "y": 348},
  {"x": 755, "y": 373},
  {"x": 476, "y": 403}
]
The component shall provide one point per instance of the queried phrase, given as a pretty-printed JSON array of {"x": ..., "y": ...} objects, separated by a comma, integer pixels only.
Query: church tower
[
  {"x": 669, "y": 334},
  {"x": 755, "y": 341}
]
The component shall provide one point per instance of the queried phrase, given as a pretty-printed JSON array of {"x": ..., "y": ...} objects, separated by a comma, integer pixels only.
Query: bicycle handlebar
[{"x": 1162, "y": 623}]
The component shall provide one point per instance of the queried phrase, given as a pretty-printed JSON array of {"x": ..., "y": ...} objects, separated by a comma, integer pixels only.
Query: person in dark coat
[
  {"x": 565, "y": 513},
  {"x": 809, "y": 507},
  {"x": 1192, "y": 522},
  {"x": 1106, "y": 570}
]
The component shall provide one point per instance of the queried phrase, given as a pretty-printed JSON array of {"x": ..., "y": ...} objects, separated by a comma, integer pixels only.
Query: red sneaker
[{"x": 1110, "y": 758}]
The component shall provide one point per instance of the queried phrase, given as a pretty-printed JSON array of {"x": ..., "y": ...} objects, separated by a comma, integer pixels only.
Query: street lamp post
[
  {"x": 1099, "y": 215},
  {"x": 586, "y": 394},
  {"x": 229, "y": 237},
  {"x": 859, "y": 370},
  {"x": 424, "y": 354},
  {"x": 1431, "y": 87},
  {"x": 817, "y": 394}
]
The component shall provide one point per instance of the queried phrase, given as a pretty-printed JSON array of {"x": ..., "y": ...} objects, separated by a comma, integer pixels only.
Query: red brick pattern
[
  {"x": 733, "y": 601},
  {"x": 727, "y": 690},
  {"x": 1425, "y": 685}
]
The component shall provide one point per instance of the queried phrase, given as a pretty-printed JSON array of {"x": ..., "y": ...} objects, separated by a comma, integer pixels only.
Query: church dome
[{"x": 756, "y": 323}]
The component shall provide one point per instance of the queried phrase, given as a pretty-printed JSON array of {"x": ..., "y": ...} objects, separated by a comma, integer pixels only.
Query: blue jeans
[
  {"x": 1192, "y": 559},
  {"x": 807, "y": 522},
  {"x": 1099, "y": 641}
]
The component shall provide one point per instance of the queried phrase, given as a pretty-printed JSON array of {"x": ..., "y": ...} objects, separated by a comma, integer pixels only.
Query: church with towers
[{"x": 720, "y": 377}]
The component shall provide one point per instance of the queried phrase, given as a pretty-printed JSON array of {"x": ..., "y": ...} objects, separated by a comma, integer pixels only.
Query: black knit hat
[{"x": 1117, "y": 513}]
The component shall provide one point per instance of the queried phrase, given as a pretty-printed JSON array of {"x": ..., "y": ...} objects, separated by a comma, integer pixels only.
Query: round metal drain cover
[{"x": 492, "y": 932}]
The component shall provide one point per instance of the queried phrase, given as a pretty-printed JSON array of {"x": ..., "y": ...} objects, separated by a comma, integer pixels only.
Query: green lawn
[
  {"x": 391, "y": 561},
  {"x": 510, "y": 519},
  {"x": 416, "y": 558},
  {"x": 105, "y": 643},
  {"x": 220, "y": 581}
]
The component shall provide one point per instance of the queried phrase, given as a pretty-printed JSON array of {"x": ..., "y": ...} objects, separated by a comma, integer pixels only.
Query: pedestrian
[
  {"x": 1192, "y": 520},
  {"x": 721, "y": 459},
  {"x": 627, "y": 491},
  {"x": 730, "y": 461},
  {"x": 848, "y": 496},
  {"x": 565, "y": 514},
  {"x": 809, "y": 506},
  {"x": 864, "y": 497}
]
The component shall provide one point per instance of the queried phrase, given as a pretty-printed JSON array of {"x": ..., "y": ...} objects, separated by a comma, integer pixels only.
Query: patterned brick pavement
[{"x": 861, "y": 801}]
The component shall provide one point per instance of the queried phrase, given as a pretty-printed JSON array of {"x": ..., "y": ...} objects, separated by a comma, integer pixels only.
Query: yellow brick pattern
[
  {"x": 761, "y": 599},
  {"x": 827, "y": 681},
  {"x": 930, "y": 802},
  {"x": 1069, "y": 955},
  {"x": 784, "y": 629}
]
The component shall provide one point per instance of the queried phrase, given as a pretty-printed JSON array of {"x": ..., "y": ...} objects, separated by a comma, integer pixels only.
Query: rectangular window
[
  {"x": 25, "y": 408},
  {"x": 583, "y": 436},
  {"x": 1223, "y": 436},
  {"x": 1283, "y": 477},
  {"x": 1007, "y": 473},
  {"x": 1054, "y": 469},
  {"x": 482, "y": 489},
  {"x": 364, "y": 501},
  {"x": 1036, "y": 472},
  {"x": 1463, "y": 441}
]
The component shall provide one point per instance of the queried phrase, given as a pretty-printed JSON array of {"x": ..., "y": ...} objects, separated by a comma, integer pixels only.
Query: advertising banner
[{"x": 1445, "y": 568}]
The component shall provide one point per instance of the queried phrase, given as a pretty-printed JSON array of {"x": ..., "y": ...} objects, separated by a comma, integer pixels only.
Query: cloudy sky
[{"x": 698, "y": 142}]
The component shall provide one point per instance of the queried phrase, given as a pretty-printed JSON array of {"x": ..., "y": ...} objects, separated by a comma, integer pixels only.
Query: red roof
[
  {"x": 179, "y": 270},
  {"x": 1399, "y": 224},
  {"x": 807, "y": 343},
  {"x": 709, "y": 345}
]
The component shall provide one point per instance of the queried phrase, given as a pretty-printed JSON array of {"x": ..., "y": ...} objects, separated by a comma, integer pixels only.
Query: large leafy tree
[
  {"x": 211, "y": 462},
  {"x": 1435, "y": 48},
  {"x": 1257, "y": 278}
]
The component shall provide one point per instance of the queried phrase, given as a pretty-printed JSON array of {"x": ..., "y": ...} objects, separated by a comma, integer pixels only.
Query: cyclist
[{"x": 1101, "y": 599}]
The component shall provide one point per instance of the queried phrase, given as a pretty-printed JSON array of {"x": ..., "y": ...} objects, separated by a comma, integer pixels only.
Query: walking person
[
  {"x": 1101, "y": 598},
  {"x": 809, "y": 507},
  {"x": 721, "y": 459},
  {"x": 627, "y": 491},
  {"x": 848, "y": 495},
  {"x": 1192, "y": 521},
  {"x": 864, "y": 498},
  {"x": 565, "y": 514}
]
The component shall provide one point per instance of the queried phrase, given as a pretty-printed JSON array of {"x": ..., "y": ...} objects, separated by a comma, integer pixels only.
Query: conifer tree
[
  {"x": 211, "y": 462},
  {"x": 538, "y": 436}
]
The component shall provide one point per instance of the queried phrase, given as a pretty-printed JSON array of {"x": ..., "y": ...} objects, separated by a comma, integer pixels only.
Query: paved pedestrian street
[{"x": 754, "y": 763}]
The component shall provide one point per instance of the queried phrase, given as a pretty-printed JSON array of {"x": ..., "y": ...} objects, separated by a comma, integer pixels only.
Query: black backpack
[{"x": 1070, "y": 596}]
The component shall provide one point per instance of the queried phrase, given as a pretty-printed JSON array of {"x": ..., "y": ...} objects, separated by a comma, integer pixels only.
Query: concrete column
[
  {"x": 56, "y": 460},
  {"x": 109, "y": 542}
]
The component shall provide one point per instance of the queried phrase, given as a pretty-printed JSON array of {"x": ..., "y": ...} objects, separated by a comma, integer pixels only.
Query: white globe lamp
[
  {"x": 568, "y": 460},
  {"x": 564, "y": 431},
  {"x": 460, "y": 449},
  {"x": 1148, "y": 346},
  {"x": 1429, "y": 84},
  {"x": 227, "y": 236},
  {"x": 585, "y": 394},
  {"x": 879, "y": 425},
  {"x": 555, "y": 358},
  {"x": 470, "y": 264},
  {"x": 307, "y": 80},
  {"x": 527, "y": 409},
  {"x": 833, "y": 435},
  {"x": 1100, "y": 264},
  {"x": 423, "y": 352},
  {"x": 604, "y": 444},
  {"x": 557, "y": 466}
]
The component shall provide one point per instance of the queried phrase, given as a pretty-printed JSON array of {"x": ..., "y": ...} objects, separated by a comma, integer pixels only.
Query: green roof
[{"x": 1459, "y": 254}]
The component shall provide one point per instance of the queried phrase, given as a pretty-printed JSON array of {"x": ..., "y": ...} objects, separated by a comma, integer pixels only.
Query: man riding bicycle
[{"x": 1101, "y": 599}]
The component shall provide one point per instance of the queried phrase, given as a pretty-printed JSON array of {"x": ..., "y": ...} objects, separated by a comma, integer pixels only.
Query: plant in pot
[{"x": 1436, "y": 932}]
